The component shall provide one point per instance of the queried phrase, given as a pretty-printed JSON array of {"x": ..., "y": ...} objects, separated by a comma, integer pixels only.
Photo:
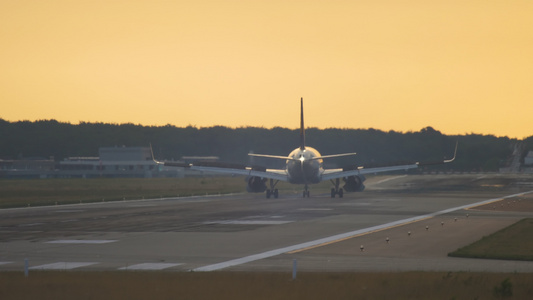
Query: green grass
[
  {"x": 38, "y": 192},
  {"x": 241, "y": 285},
  {"x": 512, "y": 243},
  {"x": 41, "y": 192}
]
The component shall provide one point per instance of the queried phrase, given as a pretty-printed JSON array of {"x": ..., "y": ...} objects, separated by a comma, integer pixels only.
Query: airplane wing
[
  {"x": 339, "y": 173},
  {"x": 228, "y": 168},
  {"x": 346, "y": 172},
  {"x": 246, "y": 171}
]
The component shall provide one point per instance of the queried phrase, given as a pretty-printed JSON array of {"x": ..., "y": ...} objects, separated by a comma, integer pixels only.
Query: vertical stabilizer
[{"x": 302, "y": 129}]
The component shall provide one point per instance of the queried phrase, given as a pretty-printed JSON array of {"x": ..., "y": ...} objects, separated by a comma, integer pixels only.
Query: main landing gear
[
  {"x": 272, "y": 191},
  {"x": 336, "y": 190},
  {"x": 306, "y": 191}
]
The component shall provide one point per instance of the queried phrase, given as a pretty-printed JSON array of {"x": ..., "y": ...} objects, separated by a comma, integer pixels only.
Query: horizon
[
  {"x": 461, "y": 68},
  {"x": 263, "y": 127}
]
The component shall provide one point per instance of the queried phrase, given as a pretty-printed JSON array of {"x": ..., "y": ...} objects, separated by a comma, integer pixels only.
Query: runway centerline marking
[
  {"x": 150, "y": 266},
  {"x": 81, "y": 242},
  {"x": 248, "y": 222},
  {"x": 340, "y": 237},
  {"x": 31, "y": 224},
  {"x": 390, "y": 178},
  {"x": 63, "y": 265}
]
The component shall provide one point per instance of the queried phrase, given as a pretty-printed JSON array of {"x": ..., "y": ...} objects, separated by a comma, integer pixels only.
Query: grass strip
[
  {"x": 43, "y": 192},
  {"x": 511, "y": 243},
  {"x": 21, "y": 193}
]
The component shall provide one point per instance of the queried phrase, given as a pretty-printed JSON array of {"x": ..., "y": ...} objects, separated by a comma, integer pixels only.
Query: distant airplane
[{"x": 303, "y": 166}]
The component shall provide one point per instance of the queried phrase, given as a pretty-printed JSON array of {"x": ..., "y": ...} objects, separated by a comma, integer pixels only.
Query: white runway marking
[
  {"x": 5, "y": 262},
  {"x": 179, "y": 199},
  {"x": 30, "y": 224},
  {"x": 150, "y": 266},
  {"x": 81, "y": 242},
  {"x": 315, "y": 209},
  {"x": 70, "y": 211},
  {"x": 389, "y": 179},
  {"x": 247, "y": 259},
  {"x": 63, "y": 266},
  {"x": 249, "y": 222}
]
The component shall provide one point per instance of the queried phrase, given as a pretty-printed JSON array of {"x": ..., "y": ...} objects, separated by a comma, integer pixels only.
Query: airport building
[
  {"x": 528, "y": 160},
  {"x": 27, "y": 168},
  {"x": 115, "y": 162},
  {"x": 528, "y": 163},
  {"x": 111, "y": 162}
]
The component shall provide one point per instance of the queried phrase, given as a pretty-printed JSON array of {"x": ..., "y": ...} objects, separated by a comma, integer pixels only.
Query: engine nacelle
[
  {"x": 354, "y": 183},
  {"x": 256, "y": 184}
]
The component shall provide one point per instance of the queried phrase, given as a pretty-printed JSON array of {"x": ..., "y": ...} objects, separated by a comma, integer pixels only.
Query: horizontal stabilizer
[
  {"x": 269, "y": 156},
  {"x": 294, "y": 159},
  {"x": 272, "y": 156},
  {"x": 335, "y": 155}
]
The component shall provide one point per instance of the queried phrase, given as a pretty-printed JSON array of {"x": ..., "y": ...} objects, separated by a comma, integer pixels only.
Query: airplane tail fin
[{"x": 302, "y": 129}]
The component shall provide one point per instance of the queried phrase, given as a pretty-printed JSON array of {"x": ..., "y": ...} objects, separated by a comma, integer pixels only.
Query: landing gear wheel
[
  {"x": 336, "y": 190},
  {"x": 272, "y": 191},
  {"x": 339, "y": 192}
]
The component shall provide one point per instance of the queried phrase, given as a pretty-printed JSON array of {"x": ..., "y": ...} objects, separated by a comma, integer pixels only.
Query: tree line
[{"x": 50, "y": 138}]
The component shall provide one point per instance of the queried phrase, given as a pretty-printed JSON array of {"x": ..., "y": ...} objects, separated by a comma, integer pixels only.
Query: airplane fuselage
[{"x": 304, "y": 167}]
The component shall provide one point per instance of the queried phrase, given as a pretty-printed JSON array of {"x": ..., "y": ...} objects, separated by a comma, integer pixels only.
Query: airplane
[{"x": 304, "y": 165}]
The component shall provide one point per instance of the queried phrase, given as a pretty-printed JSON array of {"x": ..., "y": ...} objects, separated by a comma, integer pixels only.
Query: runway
[{"x": 381, "y": 229}]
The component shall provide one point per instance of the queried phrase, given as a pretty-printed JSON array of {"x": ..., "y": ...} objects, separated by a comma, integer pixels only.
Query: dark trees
[{"x": 47, "y": 138}]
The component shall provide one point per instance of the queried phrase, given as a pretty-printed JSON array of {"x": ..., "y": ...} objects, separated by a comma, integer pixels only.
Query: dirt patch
[
  {"x": 242, "y": 285},
  {"x": 519, "y": 204}
]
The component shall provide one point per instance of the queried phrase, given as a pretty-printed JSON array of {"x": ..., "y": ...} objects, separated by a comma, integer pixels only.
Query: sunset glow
[{"x": 458, "y": 66}]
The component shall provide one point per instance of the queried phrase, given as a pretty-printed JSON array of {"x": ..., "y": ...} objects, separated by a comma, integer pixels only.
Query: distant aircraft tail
[{"x": 302, "y": 128}]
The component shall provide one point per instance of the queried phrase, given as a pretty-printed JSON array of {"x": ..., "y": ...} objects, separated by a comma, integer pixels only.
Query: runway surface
[{"x": 399, "y": 223}]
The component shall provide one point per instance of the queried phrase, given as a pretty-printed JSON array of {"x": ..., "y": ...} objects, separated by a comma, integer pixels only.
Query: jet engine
[
  {"x": 256, "y": 184},
  {"x": 354, "y": 183}
]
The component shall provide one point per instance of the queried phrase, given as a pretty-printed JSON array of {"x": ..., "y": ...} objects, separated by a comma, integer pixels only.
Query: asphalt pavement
[{"x": 400, "y": 223}]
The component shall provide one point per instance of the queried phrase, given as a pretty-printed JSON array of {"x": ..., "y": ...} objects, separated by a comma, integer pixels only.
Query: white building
[
  {"x": 528, "y": 160},
  {"x": 117, "y": 162}
]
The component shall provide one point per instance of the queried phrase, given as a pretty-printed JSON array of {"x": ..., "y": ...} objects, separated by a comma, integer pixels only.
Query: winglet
[
  {"x": 302, "y": 128},
  {"x": 454, "y": 154},
  {"x": 440, "y": 162},
  {"x": 152, "y": 152},
  {"x": 168, "y": 164},
  {"x": 153, "y": 157}
]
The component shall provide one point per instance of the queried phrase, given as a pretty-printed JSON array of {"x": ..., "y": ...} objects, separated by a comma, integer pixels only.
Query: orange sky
[{"x": 458, "y": 66}]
